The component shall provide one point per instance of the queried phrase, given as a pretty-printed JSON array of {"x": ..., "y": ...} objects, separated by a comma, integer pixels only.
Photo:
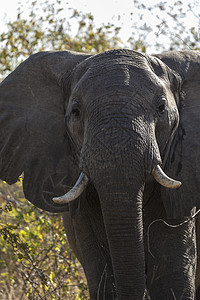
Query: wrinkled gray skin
[{"x": 125, "y": 112}]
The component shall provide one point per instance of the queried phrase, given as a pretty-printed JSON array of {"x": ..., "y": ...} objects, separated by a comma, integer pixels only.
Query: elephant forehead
[{"x": 119, "y": 81}]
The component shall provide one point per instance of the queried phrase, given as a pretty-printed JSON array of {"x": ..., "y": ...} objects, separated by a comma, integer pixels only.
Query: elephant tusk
[
  {"x": 75, "y": 192},
  {"x": 163, "y": 179}
]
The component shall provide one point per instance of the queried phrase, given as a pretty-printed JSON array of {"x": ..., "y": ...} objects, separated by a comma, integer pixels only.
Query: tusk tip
[
  {"x": 176, "y": 185},
  {"x": 59, "y": 200},
  {"x": 56, "y": 200}
]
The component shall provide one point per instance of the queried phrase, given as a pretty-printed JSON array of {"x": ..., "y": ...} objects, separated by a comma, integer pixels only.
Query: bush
[{"x": 35, "y": 259}]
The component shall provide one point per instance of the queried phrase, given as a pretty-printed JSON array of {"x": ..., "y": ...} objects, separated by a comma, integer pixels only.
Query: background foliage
[
  {"x": 35, "y": 259},
  {"x": 49, "y": 30}
]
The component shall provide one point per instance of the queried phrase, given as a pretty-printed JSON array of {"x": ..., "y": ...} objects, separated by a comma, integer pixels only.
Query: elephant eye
[
  {"x": 76, "y": 112},
  {"x": 161, "y": 108}
]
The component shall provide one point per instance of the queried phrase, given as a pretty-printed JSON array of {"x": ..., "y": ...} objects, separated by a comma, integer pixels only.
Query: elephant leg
[
  {"x": 86, "y": 236},
  {"x": 171, "y": 260}
]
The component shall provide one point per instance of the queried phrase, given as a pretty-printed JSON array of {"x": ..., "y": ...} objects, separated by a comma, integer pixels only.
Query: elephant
[{"x": 112, "y": 142}]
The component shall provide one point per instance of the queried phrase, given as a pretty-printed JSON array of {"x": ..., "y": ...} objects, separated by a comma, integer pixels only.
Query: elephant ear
[
  {"x": 33, "y": 140},
  {"x": 184, "y": 162}
]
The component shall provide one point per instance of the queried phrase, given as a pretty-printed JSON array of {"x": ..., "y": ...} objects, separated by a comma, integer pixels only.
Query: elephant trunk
[
  {"x": 118, "y": 159},
  {"x": 121, "y": 196}
]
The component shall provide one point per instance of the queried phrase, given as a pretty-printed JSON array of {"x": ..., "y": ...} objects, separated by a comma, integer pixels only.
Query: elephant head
[{"x": 115, "y": 117}]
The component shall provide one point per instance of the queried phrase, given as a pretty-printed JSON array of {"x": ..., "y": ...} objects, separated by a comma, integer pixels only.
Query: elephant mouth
[{"x": 82, "y": 182}]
